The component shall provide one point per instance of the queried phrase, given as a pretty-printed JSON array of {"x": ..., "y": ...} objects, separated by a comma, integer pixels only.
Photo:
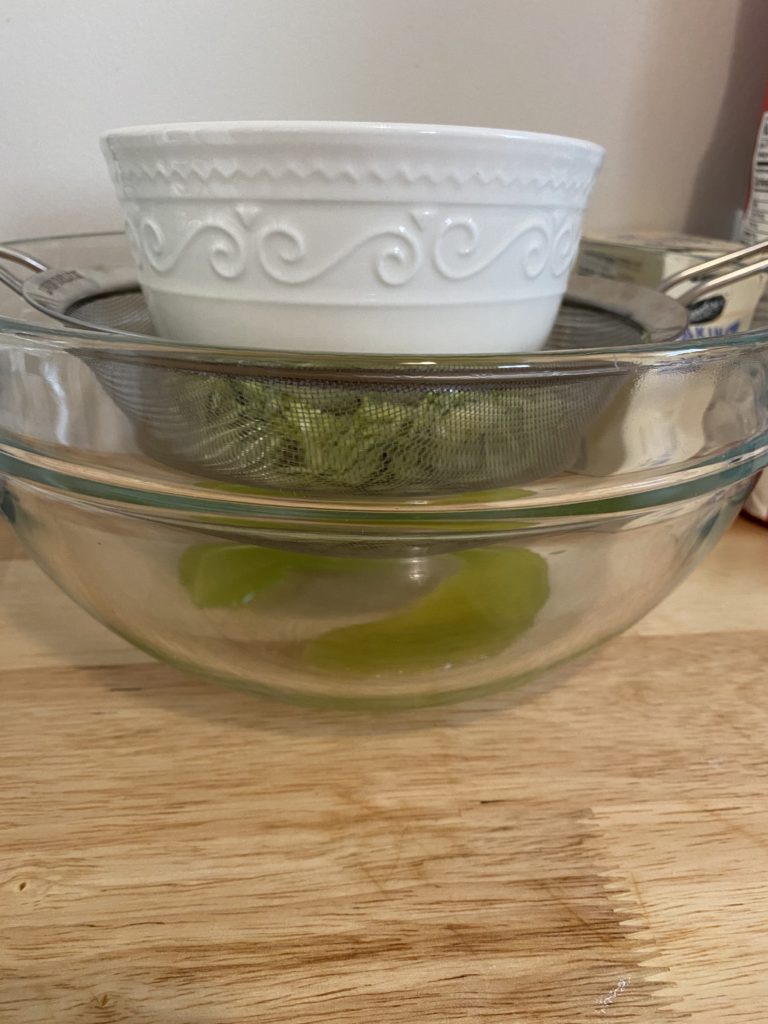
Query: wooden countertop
[{"x": 176, "y": 853}]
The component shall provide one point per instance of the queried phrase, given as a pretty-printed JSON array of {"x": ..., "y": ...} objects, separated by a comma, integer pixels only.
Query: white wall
[{"x": 670, "y": 87}]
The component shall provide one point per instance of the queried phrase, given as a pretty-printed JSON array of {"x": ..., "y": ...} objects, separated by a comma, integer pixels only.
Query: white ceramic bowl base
[
  {"x": 424, "y": 330},
  {"x": 353, "y": 238}
]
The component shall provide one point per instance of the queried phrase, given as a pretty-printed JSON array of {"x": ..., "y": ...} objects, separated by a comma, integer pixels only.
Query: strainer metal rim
[
  {"x": 143, "y": 348},
  {"x": 140, "y": 347}
]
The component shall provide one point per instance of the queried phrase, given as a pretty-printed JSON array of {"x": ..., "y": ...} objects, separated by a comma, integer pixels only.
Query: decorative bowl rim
[{"x": 217, "y": 132}]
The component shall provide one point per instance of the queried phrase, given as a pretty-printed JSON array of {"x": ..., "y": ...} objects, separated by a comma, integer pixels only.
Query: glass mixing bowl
[
  {"x": 364, "y": 598},
  {"x": 363, "y": 607}
]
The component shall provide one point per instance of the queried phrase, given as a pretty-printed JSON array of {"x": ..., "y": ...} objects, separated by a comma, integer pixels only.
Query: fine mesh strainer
[{"x": 341, "y": 425}]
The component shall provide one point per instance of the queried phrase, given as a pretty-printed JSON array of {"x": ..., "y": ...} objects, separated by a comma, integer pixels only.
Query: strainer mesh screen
[{"x": 328, "y": 436}]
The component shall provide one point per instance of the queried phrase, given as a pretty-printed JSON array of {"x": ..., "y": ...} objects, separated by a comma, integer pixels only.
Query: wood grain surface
[{"x": 591, "y": 848}]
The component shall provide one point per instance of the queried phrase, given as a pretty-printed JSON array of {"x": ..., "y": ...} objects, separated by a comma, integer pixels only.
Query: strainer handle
[
  {"x": 7, "y": 277},
  {"x": 710, "y": 284}
]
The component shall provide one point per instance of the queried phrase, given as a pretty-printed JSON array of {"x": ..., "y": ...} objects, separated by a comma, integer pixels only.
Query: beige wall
[{"x": 670, "y": 87}]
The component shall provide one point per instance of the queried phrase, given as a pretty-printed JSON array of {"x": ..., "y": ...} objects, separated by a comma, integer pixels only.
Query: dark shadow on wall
[{"x": 721, "y": 184}]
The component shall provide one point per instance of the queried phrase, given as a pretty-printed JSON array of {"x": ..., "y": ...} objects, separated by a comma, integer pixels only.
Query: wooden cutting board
[{"x": 595, "y": 848}]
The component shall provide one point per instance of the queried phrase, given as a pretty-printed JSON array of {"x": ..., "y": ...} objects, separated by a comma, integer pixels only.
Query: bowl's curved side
[{"x": 411, "y": 625}]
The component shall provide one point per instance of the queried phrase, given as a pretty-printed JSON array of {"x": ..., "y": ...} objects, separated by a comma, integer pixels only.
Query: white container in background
[
  {"x": 414, "y": 239},
  {"x": 648, "y": 257}
]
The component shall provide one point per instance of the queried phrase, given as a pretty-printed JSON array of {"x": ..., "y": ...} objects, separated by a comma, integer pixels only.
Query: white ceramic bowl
[{"x": 353, "y": 237}]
